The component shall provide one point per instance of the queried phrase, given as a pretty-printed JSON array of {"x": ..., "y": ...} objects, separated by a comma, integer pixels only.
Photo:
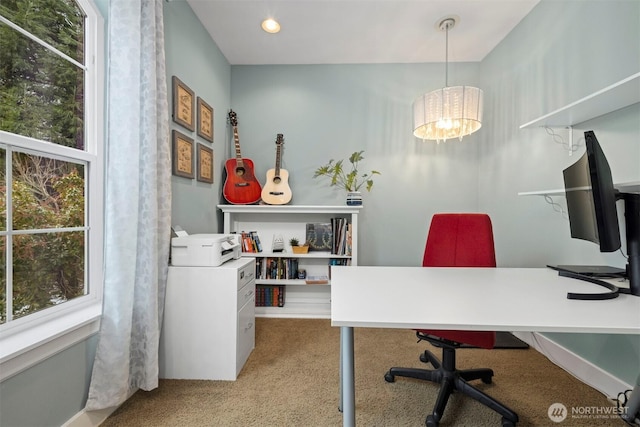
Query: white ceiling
[{"x": 357, "y": 31}]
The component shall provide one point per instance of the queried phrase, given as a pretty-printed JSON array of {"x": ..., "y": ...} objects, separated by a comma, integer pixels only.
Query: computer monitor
[
  {"x": 591, "y": 198},
  {"x": 591, "y": 206}
]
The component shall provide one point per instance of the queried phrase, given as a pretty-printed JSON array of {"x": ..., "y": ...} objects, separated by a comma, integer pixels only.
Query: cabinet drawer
[
  {"x": 246, "y": 274},
  {"x": 246, "y": 294}
]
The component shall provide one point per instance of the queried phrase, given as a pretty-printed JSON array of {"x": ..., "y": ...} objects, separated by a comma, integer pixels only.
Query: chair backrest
[{"x": 460, "y": 240}]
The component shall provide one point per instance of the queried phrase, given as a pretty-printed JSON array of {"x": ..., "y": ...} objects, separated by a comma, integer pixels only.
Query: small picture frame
[
  {"x": 205, "y": 164},
  {"x": 205, "y": 120},
  {"x": 182, "y": 158},
  {"x": 183, "y": 104}
]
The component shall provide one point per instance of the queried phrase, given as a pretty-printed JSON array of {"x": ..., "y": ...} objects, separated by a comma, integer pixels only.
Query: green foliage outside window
[
  {"x": 42, "y": 97},
  {"x": 42, "y": 93}
]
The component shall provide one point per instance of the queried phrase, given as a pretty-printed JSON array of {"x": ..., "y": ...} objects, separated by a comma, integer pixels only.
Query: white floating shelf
[
  {"x": 625, "y": 187},
  {"x": 619, "y": 95}
]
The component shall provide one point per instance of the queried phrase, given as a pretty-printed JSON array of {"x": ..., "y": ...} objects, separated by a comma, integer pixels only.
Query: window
[{"x": 51, "y": 164}]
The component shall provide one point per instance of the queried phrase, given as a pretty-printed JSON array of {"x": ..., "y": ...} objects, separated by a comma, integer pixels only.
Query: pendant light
[{"x": 450, "y": 112}]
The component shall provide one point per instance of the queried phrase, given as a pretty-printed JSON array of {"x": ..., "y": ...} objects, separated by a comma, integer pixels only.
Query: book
[
  {"x": 256, "y": 241},
  {"x": 320, "y": 236}
]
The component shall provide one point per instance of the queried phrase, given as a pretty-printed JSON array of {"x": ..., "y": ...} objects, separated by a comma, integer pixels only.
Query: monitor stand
[
  {"x": 614, "y": 291},
  {"x": 597, "y": 271}
]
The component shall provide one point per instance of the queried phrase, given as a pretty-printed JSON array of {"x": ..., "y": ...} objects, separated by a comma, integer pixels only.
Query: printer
[{"x": 204, "y": 250}]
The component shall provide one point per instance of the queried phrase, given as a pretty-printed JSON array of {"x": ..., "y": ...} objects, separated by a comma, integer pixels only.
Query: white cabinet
[
  {"x": 301, "y": 300},
  {"x": 208, "y": 330}
]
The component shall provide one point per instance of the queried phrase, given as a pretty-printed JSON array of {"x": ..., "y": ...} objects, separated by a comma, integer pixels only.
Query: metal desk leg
[
  {"x": 347, "y": 378},
  {"x": 340, "y": 405}
]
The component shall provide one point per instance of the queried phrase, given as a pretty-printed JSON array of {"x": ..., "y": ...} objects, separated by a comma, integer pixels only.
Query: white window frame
[{"x": 27, "y": 341}]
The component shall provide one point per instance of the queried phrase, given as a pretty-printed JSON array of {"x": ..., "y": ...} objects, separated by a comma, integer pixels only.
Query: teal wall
[
  {"x": 51, "y": 392},
  {"x": 329, "y": 111}
]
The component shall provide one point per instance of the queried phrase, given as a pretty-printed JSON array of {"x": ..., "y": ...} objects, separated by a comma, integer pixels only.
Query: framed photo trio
[{"x": 191, "y": 159}]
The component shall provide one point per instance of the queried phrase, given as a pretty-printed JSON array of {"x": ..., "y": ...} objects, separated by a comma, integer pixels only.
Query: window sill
[{"x": 19, "y": 350}]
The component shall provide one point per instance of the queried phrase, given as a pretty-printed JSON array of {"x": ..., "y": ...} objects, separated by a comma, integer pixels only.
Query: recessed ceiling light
[{"x": 270, "y": 25}]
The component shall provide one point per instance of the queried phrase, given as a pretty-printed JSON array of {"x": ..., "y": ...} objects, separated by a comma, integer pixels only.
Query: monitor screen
[{"x": 591, "y": 198}]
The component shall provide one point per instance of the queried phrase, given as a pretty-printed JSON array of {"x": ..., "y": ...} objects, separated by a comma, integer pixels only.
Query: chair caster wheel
[
  {"x": 423, "y": 357},
  {"x": 431, "y": 422},
  {"x": 389, "y": 377},
  {"x": 507, "y": 423},
  {"x": 487, "y": 380}
]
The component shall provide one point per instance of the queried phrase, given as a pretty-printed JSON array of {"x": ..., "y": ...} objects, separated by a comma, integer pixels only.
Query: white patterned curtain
[{"x": 137, "y": 205}]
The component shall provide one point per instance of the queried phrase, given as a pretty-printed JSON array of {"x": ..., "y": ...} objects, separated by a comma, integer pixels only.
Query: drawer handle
[
  {"x": 248, "y": 294},
  {"x": 249, "y": 326}
]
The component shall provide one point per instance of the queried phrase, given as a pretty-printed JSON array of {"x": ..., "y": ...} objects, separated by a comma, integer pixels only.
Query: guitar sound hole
[
  {"x": 239, "y": 171},
  {"x": 277, "y": 180}
]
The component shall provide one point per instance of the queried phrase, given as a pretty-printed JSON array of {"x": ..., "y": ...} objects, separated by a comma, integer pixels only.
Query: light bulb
[{"x": 270, "y": 25}]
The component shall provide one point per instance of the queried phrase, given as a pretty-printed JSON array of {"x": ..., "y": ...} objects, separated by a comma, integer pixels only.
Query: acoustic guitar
[
  {"x": 241, "y": 186},
  {"x": 276, "y": 190}
]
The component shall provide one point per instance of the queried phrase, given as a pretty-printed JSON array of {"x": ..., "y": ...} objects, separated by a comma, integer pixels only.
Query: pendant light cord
[
  {"x": 445, "y": 24},
  {"x": 446, "y": 55}
]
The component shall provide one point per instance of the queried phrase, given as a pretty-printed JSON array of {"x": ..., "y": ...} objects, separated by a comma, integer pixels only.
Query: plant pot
[
  {"x": 300, "y": 249},
  {"x": 354, "y": 198}
]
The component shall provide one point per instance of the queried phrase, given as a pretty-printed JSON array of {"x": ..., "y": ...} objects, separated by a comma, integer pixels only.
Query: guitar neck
[
  {"x": 236, "y": 140},
  {"x": 278, "y": 158},
  {"x": 279, "y": 143}
]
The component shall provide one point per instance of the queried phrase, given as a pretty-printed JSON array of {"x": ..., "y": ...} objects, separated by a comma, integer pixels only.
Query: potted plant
[
  {"x": 297, "y": 248},
  {"x": 348, "y": 177}
]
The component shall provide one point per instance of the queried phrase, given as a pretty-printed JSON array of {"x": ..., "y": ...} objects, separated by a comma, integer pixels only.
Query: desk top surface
[{"x": 498, "y": 299}]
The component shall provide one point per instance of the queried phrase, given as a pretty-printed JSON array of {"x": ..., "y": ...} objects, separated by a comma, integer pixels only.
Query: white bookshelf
[{"x": 302, "y": 300}]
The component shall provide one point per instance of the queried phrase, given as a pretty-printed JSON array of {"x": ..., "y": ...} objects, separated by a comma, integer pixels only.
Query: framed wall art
[
  {"x": 183, "y": 102},
  {"x": 205, "y": 120},
  {"x": 205, "y": 164},
  {"x": 182, "y": 158}
]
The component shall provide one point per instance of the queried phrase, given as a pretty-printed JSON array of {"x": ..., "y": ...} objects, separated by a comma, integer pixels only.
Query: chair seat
[{"x": 482, "y": 339}]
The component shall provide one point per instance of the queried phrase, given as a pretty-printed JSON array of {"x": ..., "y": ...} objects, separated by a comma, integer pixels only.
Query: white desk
[{"x": 497, "y": 299}]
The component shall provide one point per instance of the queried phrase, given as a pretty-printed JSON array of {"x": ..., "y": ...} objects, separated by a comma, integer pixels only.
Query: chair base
[{"x": 453, "y": 380}]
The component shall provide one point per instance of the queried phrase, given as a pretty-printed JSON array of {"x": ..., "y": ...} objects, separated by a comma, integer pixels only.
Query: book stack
[
  {"x": 270, "y": 296},
  {"x": 334, "y": 236},
  {"x": 339, "y": 261},
  {"x": 250, "y": 241},
  {"x": 276, "y": 268},
  {"x": 341, "y": 236}
]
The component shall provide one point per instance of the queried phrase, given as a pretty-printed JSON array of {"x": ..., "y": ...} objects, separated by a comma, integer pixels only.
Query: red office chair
[{"x": 456, "y": 240}]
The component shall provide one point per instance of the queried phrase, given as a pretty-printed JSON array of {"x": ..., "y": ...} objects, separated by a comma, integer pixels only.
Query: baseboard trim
[
  {"x": 575, "y": 364},
  {"x": 86, "y": 418}
]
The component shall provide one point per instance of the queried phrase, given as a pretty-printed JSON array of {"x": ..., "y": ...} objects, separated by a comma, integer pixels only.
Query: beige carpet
[{"x": 291, "y": 379}]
